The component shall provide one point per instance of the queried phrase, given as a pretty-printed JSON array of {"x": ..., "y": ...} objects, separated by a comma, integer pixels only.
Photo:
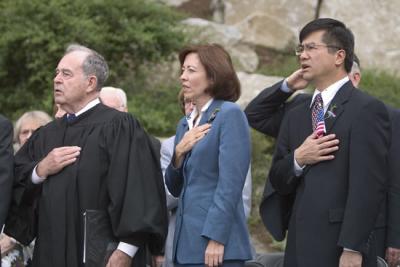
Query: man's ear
[
  {"x": 340, "y": 57},
  {"x": 92, "y": 83}
]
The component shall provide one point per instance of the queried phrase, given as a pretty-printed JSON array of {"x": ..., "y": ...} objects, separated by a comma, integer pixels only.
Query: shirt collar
[
  {"x": 88, "y": 106},
  {"x": 190, "y": 118},
  {"x": 329, "y": 93}
]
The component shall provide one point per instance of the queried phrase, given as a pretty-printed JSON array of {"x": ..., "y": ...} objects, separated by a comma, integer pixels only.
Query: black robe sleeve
[{"x": 137, "y": 205}]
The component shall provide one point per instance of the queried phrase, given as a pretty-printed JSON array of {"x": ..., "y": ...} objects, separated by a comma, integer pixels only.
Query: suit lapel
[
  {"x": 305, "y": 124},
  {"x": 337, "y": 106}
]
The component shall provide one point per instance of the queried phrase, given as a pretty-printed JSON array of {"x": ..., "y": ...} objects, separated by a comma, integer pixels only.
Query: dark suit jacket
[
  {"x": 336, "y": 202},
  {"x": 265, "y": 114},
  {"x": 393, "y": 199},
  {"x": 6, "y": 166}
]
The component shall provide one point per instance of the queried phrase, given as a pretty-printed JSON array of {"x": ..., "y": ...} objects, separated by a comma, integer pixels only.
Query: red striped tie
[{"x": 317, "y": 115}]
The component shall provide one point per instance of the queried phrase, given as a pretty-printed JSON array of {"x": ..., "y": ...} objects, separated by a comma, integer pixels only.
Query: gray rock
[
  {"x": 252, "y": 85},
  {"x": 243, "y": 55},
  {"x": 270, "y": 23},
  {"x": 376, "y": 27}
]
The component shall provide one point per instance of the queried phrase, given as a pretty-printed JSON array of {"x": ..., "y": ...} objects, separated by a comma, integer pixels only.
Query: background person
[
  {"x": 114, "y": 97},
  {"x": 12, "y": 252},
  {"x": 28, "y": 123}
]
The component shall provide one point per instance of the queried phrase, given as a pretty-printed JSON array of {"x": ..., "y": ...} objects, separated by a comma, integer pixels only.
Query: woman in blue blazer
[{"x": 210, "y": 163}]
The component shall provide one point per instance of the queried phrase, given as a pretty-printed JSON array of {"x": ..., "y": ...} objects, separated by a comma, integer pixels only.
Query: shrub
[{"x": 35, "y": 33}]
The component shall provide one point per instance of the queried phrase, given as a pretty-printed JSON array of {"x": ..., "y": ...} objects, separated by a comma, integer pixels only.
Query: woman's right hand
[
  {"x": 188, "y": 141},
  {"x": 214, "y": 255}
]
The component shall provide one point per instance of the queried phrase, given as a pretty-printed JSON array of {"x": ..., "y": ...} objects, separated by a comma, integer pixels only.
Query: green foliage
[
  {"x": 35, "y": 33},
  {"x": 157, "y": 110},
  {"x": 382, "y": 85}
]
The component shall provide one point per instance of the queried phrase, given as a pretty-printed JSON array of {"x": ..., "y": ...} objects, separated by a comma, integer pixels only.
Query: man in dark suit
[
  {"x": 336, "y": 180},
  {"x": 265, "y": 114},
  {"x": 6, "y": 167}
]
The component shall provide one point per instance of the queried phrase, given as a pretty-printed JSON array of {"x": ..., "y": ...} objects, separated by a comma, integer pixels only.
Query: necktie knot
[
  {"x": 317, "y": 115},
  {"x": 71, "y": 117},
  {"x": 318, "y": 102}
]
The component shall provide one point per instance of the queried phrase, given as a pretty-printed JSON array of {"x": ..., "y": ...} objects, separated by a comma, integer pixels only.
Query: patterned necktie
[{"x": 317, "y": 113}]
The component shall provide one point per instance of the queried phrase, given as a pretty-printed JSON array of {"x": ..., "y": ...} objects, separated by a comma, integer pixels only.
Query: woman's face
[
  {"x": 27, "y": 128},
  {"x": 194, "y": 78}
]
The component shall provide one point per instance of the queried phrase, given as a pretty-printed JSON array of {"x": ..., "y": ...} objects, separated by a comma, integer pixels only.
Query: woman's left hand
[{"x": 214, "y": 254}]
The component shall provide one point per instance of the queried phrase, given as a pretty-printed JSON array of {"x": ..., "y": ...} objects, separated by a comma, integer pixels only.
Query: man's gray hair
[{"x": 94, "y": 64}]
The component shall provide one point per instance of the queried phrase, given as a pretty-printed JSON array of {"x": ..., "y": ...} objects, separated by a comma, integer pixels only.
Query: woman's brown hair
[{"x": 224, "y": 83}]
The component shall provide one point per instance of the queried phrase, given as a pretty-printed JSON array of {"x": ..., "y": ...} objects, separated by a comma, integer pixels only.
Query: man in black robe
[{"x": 94, "y": 158}]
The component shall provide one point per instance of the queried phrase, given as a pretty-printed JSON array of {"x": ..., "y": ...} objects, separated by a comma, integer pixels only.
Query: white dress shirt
[{"x": 195, "y": 116}]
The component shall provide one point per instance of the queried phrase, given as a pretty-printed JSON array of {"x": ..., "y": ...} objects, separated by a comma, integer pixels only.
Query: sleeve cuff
[
  {"x": 297, "y": 169},
  {"x": 347, "y": 249},
  {"x": 285, "y": 88},
  {"x": 36, "y": 179},
  {"x": 128, "y": 249}
]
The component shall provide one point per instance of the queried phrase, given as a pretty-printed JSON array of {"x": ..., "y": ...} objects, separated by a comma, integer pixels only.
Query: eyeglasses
[{"x": 311, "y": 47}]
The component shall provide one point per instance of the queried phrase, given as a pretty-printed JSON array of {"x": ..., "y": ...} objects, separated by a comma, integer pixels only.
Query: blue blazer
[{"x": 209, "y": 185}]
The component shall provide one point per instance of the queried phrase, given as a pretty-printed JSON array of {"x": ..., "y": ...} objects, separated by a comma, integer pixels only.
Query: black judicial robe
[{"x": 118, "y": 171}]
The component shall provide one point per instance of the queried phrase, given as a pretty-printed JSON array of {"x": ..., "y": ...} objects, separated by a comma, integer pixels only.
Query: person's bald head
[
  {"x": 355, "y": 73},
  {"x": 114, "y": 98}
]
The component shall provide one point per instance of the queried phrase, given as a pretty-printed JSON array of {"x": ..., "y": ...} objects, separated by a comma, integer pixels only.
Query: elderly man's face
[{"x": 70, "y": 83}]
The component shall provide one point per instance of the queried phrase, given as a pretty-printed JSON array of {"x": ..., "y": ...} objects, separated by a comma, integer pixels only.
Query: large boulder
[
  {"x": 264, "y": 30},
  {"x": 273, "y": 24},
  {"x": 376, "y": 27},
  {"x": 252, "y": 85},
  {"x": 203, "y": 31}
]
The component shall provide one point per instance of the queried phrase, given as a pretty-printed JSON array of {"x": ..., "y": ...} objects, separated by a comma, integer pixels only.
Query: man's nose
[{"x": 57, "y": 78}]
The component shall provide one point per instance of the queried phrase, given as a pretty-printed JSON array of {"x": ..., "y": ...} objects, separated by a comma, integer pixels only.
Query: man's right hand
[
  {"x": 296, "y": 81},
  {"x": 350, "y": 259},
  {"x": 314, "y": 149},
  {"x": 393, "y": 256},
  {"x": 57, "y": 159}
]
